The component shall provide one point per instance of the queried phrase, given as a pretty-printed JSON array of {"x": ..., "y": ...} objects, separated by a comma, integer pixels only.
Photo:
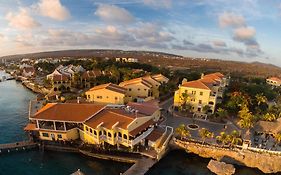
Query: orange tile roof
[
  {"x": 197, "y": 84},
  {"x": 30, "y": 127},
  {"x": 91, "y": 74},
  {"x": 144, "y": 108},
  {"x": 135, "y": 81},
  {"x": 141, "y": 128},
  {"x": 67, "y": 112},
  {"x": 110, "y": 86},
  {"x": 274, "y": 79},
  {"x": 61, "y": 77},
  {"x": 215, "y": 76},
  {"x": 109, "y": 117},
  {"x": 150, "y": 78}
]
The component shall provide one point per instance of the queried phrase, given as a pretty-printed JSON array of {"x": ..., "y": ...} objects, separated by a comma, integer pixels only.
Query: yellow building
[
  {"x": 95, "y": 124},
  {"x": 274, "y": 81},
  {"x": 202, "y": 94},
  {"x": 155, "y": 85},
  {"x": 107, "y": 94},
  {"x": 160, "y": 78},
  {"x": 138, "y": 90}
]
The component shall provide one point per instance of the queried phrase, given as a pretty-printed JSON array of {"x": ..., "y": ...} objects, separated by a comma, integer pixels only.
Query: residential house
[
  {"x": 92, "y": 124},
  {"x": 107, "y": 94},
  {"x": 88, "y": 76},
  {"x": 273, "y": 81},
  {"x": 155, "y": 85},
  {"x": 28, "y": 72},
  {"x": 202, "y": 94},
  {"x": 127, "y": 60},
  {"x": 160, "y": 78},
  {"x": 138, "y": 90}
]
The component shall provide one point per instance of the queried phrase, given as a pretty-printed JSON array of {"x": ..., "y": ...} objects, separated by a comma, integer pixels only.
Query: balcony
[{"x": 141, "y": 137}]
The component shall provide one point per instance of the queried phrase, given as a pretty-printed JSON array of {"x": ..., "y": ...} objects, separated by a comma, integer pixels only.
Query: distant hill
[{"x": 166, "y": 60}]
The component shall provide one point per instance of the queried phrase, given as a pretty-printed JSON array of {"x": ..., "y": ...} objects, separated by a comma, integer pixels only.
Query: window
[
  {"x": 193, "y": 92},
  {"x": 130, "y": 89},
  {"x": 185, "y": 91},
  {"x": 193, "y": 99},
  {"x": 116, "y": 98},
  {"x": 125, "y": 136},
  {"x": 91, "y": 131},
  {"x": 145, "y": 89},
  {"x": 109, "y": 134},
  {"x": 95, "y": 132},
  {"x": 201, "y": 93},
  {"x": 87, "y": 129},
  {"x": 115, "y": 135},
  {"x": 45, "y": 134},
  {"x": 89, "y": 96},
  {"x": 119, "y": 134},
  {"x": 138, "y": 89},
  {"x": 200, "y": 101},
  {"x": 59, "y": 136},
  {"x": 99, "y": 96}
]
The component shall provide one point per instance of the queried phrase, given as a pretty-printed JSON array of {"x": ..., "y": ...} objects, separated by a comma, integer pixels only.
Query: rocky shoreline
[{"x": 267, "y": 163}]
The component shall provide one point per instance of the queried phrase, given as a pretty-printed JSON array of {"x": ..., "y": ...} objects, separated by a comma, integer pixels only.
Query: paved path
[
  {"x": 17, "y": 145},
  {"x": 140, "y": 167}
]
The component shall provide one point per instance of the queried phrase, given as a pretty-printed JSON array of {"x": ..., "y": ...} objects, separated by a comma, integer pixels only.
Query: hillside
[{"x": 166, "y": 60}]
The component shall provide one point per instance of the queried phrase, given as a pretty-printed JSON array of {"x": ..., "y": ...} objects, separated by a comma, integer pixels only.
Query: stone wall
[{"x": 267, "y": 163}]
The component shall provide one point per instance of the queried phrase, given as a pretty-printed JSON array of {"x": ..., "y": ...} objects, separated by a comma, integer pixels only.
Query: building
[
  {"x": 107, "y": 94},
  {"x": 88, "y": 77},
  {"x": 138, "y": 90},
  {"x": 60, "y": 82},
  {"x": 117, "y": 125},
  {"x": 127, "y": 60},
  {"x": 28, "y": 72},
  {"x": 201, "y": 95},
  {"x": 160, "y": 78},
  {"x": 155, "y": 85},
  {"x": 273, "y": 81}
]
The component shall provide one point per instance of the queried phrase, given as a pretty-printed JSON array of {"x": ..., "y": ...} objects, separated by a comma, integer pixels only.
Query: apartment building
[{"x": 202, "y": 95}]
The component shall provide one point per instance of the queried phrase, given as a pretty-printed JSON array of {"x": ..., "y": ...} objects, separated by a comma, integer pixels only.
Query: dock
[
  {"x": 141, "y": 166},
  {"x": 23, "y": 145}
]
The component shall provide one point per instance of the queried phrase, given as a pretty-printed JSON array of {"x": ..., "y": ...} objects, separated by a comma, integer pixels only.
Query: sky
[{"x": 240, "y": 30}]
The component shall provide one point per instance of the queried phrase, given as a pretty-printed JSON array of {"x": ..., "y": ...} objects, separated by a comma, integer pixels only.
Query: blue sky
[{"x": 242, "y": 30}]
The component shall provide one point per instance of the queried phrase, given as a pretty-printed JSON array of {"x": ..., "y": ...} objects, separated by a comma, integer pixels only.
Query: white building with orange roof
[
  {"x": 274, "y": 81},
  {"x": 107, "y": 94},
  {"x": 160, "y": 78},
  {"x": 94, "y": 124},
  {"x": 202, "y": 95}
]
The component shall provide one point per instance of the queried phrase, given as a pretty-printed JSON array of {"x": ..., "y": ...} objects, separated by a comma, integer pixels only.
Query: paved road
[{"x": 175, "y": 120}]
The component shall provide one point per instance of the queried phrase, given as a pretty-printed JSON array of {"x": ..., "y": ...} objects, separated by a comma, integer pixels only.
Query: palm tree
[
  {"x": 223, "y": 138},
  {"x": 185, "y": 106},
  {"x": 204, "y": 134},
  {"x": 278, "y": 137},
  {"x": 246, "y": 118},
  {"x": 269, "y": 117},
  {"x": 221, "y": 113},
  {"x": 235, "y": 138},
  {"x": 182, "y": 131},
  {"x": 261, "y": 99}
]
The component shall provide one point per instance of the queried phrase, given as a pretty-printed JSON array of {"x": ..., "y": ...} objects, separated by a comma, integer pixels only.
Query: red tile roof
[
  {"x": 61, "y": 77},
  {"x": 70, "y": 112},
  {"x": 215, "y": 76},
  {"x": 110, "y": 117},
  {"x": 155, "y": 134},
  {"x": 110, "y": 86},
  {"x": 197, "y": 84},
  {"x": 144, "y": 108},
  {"x": 141, "y": 128},
  {"x": 136, "y": 81}
]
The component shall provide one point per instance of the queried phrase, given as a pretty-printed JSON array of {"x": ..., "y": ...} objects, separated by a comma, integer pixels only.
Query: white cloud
[
  {"x": 227, "y": 19},
  {"x": 114, "y": 14},
  {"x": 53, "y": 9},
  {"x": 158, "y": 3},
  {"x": 219, "y": 43},
  {"x": 244, "y": 33},
  {"x": 21, "y": 20}
]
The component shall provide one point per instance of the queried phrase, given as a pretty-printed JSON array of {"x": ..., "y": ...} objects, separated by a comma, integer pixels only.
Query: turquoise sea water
[{"x": 14, "y": 101}]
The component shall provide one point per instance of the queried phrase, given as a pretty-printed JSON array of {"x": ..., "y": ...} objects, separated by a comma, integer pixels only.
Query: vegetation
[
  {"x": 205, "y": 133},
  {"x": 182, "y": 131},
  {"x": 232, "y": 139}
]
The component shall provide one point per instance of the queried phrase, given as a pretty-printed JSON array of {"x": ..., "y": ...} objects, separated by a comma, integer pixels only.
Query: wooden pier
[
  {"x": 141, "y": 166},
  {"x": 23, "y": 145}
]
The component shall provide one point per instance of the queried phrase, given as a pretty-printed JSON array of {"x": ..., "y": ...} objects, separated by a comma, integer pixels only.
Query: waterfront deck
[
  {"x": 141, "y": 166},
  {"x": 17, "y": 146}
]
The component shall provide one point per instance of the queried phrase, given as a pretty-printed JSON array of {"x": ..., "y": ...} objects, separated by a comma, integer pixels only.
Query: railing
[{"x": 138, "y": 139}]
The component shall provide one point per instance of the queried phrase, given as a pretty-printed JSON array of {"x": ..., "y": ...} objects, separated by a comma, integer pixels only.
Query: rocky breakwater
[
  {"x": 220, "y": 168},
  {"x": 266, "y": 162}
]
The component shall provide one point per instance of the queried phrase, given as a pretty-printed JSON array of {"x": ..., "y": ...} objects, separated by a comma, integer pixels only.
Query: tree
[
  {"x": 235, "y": 138},
  {"x": 221, "y": 113},
  {"x": 278, "y": 137},
  {"x": 206, "y": 108},
  {"x": 182, "y": 131},
  {"x": 260, "y": 98},
  {"x": 223, "y": 138},
  {"x": 246, "y": 118},
  {"x": 185, "y": 106},
  {"x": 269, "y": 117},
  {"x": 204, "y": 134}
]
